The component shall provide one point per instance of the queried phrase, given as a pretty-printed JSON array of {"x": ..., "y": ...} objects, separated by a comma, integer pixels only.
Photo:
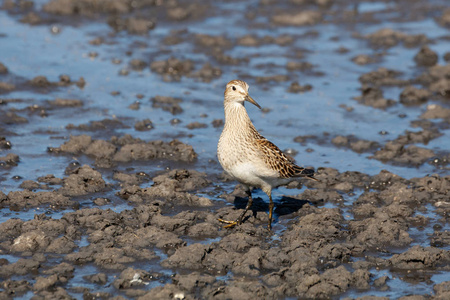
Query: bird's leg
[
  {"x": 269, "y": 226},
  {"x": 239, "y": 220},
  {"x": 249, "y": 204}
]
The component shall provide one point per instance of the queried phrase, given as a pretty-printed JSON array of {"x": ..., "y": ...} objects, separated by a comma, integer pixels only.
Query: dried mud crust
[
  {"x": 173, "y": 69},
  {"x": 174, "y": 188},
  {"x": 38, "y": 84},
  {"x": 317, "y": 243},
  {"x": 126, "y": 149},
  {"x": 402, "y": 150},
  {"x": 105, "y": 124},
  {"x": 434, "y": 84},
  {"x": 387, "y": 38},
  {"x": 82, "y": 181}
]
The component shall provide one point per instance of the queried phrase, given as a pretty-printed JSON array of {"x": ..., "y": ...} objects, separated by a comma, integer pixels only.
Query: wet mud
[{"x": 110, "y": 112}]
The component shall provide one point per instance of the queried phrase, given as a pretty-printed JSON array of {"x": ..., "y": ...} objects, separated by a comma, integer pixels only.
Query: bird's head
[{"x": 237, "y": 91}]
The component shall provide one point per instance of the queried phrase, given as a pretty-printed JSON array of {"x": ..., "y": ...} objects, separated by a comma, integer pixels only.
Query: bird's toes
[
  {"x": 226, "y": 221},
  {"x": 231, "y": 224}
]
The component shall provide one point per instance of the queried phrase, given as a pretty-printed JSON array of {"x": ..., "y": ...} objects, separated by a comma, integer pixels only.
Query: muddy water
[{"x": 104, "y": 107}]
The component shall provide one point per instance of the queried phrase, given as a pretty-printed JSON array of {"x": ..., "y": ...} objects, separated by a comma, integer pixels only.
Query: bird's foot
[{"x": 231, "y": 224}]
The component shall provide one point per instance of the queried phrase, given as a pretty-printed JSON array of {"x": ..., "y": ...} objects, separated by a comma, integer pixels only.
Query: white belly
[
  {"x": 246, "y": 173},
  {"x": 246, "y": 165},
  {"x": 256, "y": 176}
]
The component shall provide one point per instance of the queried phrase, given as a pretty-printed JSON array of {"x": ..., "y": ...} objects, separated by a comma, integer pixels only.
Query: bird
[{"x": 247, "y": 156}]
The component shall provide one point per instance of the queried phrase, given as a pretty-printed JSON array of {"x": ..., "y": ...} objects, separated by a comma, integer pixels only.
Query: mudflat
[{"x": 110, "y": 113}]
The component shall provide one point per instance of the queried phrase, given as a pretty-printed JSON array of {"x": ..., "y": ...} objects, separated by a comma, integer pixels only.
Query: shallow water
[{"x": 310, "y": 113}]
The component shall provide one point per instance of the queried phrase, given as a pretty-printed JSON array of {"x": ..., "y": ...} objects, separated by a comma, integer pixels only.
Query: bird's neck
[{"x": 236, "y": 117}]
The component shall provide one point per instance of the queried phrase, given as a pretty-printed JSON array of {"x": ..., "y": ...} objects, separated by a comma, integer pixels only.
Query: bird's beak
[{"x": 250, "y": 99}]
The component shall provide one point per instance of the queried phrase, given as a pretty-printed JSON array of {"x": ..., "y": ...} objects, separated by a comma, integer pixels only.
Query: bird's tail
[{"x": 308, "y": 173}]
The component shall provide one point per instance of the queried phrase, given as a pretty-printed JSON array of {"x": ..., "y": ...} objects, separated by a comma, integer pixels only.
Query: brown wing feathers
[{"x": 278, "y": 161}]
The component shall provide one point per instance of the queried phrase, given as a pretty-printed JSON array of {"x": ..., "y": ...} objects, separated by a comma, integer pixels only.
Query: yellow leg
[
  {"x": 239, "y": 220},
  {"x": 269, "y": 226}
]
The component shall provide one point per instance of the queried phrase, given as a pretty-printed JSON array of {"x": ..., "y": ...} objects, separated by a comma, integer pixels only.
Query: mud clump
[
  {"x": 41, "y": 83},
  {"x": 444, "y": 20},
  {"x": 144, "y": 125},
  {"x": 173, "y": 187},
  {"x": 364, "y": 59},
  {"x": 6, "y": 87},
  {"x": 387, "y": 38},
  {"x": 82, "y": 181},
  {"x": 21, "y": 267},
  {"x": 133, "y": 25},
  {"x": 442, "y": 290},
  {"x": 355, "y": 144},
  {"x": 26, "y": 199},
  {"x": 172, "y": 69},
  {"x": 207, "y": 73},
  {"x": 169, "y": 104},
  {"x": 209, "y": 41},
  {"x": 435, "y": 78},
  {"x": 295, "y": 87},
  {"x": 371, "y": 234},
  {"x": 382, "y": 77},
  {"x": 414, "y": 96},
  {"x": 9, "y": 160},
  {"x": 3, "y": 69},
  {"x": 373, "y": 96},
  {"x": 398, "y": 153},
  {"x": 105, "y": 124},
  {"x": 419, "y": 257},
  {"x": 183, "y": 12},
  {"x": 9, "y": 118},
  {"x": 4, "y": 143},
  {"x": 436, "y": 111},
  {"x": 423, "y": 136},
  {"x": 66, "y": 102},
  {"x": 426, "y": 57},
  {"x": 174, "y": 150},
  {"x": 217, "y": 123},
  {"x": 299, "y": 19},
  {"x": 254, "y": 41},
  {"x": 137, "y": 64},
  {"x": 196, "y": 125},
  {"x": 126, "y": 149},
  {"x": 86, "y": 7}
]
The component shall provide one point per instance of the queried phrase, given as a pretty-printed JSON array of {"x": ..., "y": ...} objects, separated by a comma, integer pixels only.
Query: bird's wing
[{"x": 278, "y": 161}]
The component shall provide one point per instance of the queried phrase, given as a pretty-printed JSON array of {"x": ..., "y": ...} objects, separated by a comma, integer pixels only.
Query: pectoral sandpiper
[{"x": 249, "y": 157}]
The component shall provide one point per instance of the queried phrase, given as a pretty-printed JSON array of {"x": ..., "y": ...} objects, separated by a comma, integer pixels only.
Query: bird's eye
[{"x": 234, "y": 88}]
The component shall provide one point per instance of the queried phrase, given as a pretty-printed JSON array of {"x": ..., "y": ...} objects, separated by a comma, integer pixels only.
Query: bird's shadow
[
  {"x": 288, "y": 205},
  {"x": 283, "y": 206}
]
